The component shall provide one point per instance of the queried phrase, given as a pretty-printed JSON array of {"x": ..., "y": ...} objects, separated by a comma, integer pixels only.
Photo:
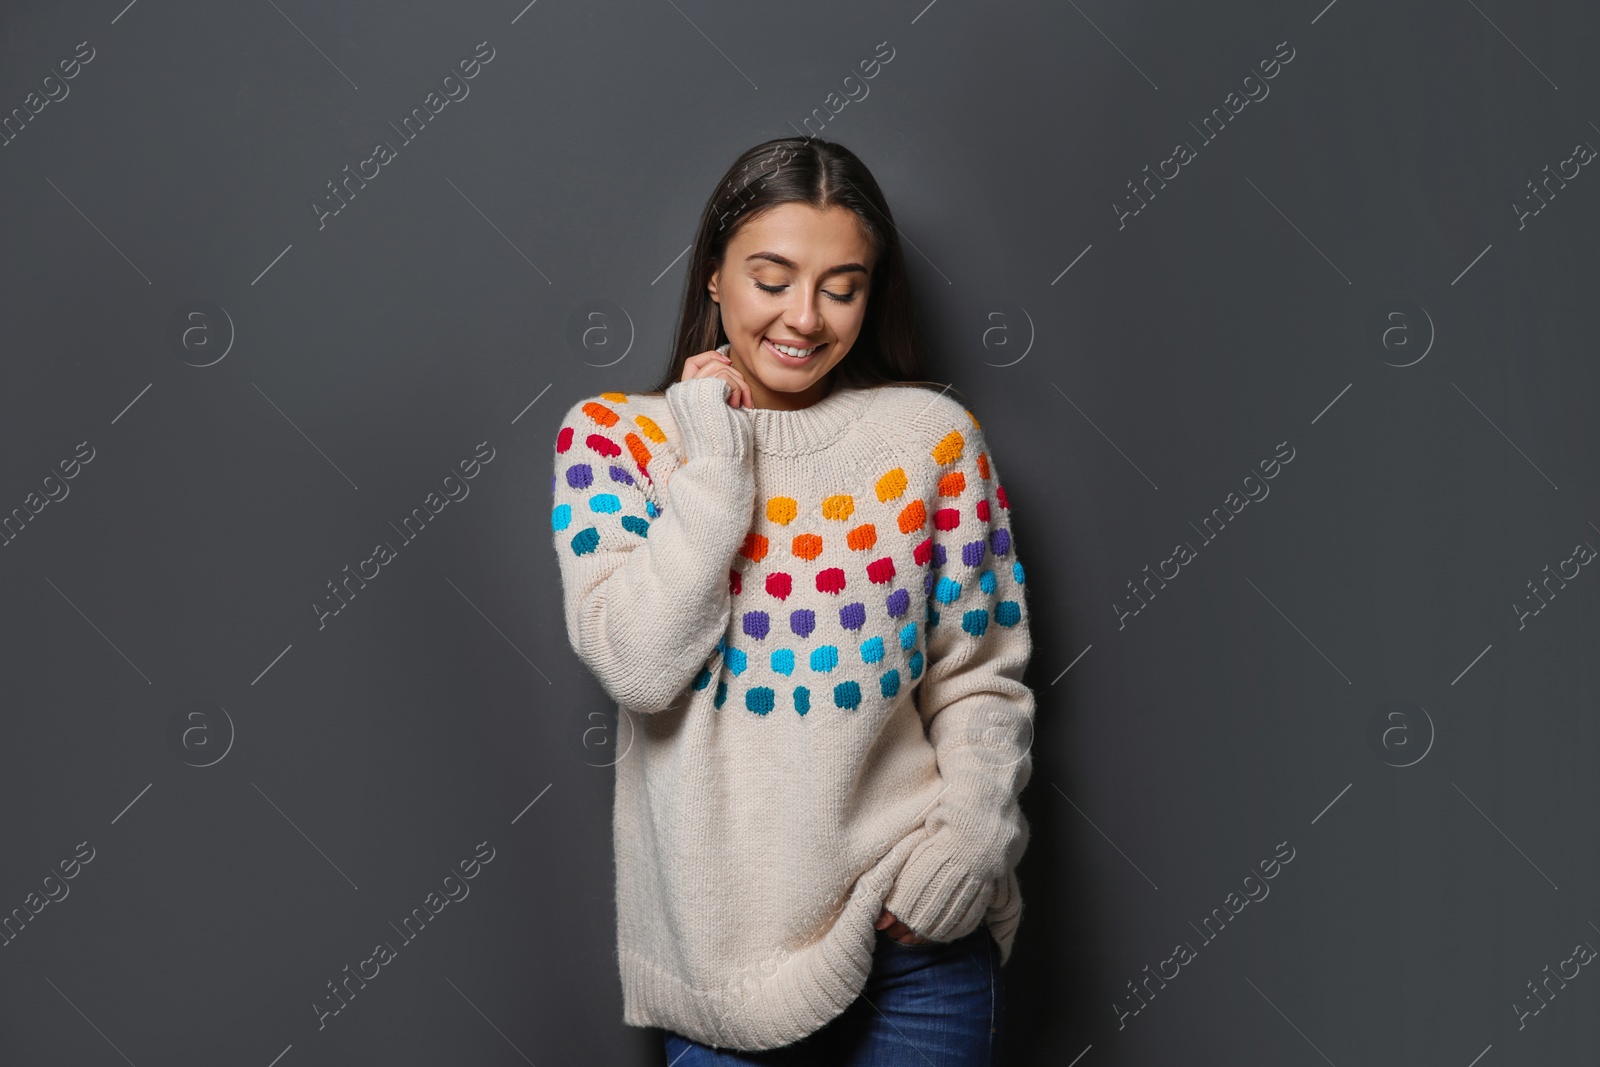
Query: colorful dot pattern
[{"x": 837, "y": 599}]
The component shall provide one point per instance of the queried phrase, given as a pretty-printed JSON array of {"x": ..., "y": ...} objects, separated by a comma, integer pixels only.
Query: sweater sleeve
[
  {"x": 976, "y": 709},
  {"x": 644, "y": 574}
]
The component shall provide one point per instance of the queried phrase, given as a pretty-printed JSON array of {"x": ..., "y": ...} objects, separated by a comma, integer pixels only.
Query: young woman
[{"x": 792, "y": 567}]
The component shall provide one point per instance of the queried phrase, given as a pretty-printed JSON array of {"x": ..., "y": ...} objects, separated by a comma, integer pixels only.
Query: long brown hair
[{"x": 823, "y": 174}]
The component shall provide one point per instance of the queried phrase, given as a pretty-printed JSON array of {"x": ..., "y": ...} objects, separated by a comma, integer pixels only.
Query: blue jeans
[{"x": 936, "y": 1004}]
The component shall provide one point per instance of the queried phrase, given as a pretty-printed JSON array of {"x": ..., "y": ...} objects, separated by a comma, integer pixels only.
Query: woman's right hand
[{"x": 713, "y": 364}]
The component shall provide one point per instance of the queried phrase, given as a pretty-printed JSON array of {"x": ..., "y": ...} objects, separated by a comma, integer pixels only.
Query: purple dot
[
  {"x": 853, "y": 616},
  {"x": 1001, "y": 540},
  {"x": 972, "y": 553},
  {"x": 899, "y": 603},
  {"x": 579, "y": 476},
  {"x": 927, "y": 583},
  {"x": 756, "y": 624},
  {"x": 620, "y": 475},
  {"x": 938, "y": 555},
  {"x": 803, "y": 621}
]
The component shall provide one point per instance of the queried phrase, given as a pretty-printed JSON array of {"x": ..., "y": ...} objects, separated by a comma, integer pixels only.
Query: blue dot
[
  {"x": 889, "y": 684},
  {"x": 702, "y": 679},
  {"x": 605, "y": 503},
  {"x": 847, "y": 695},
  {"x": 947, "y": 591},
  {"x": 722, "y": 694},
  {"x": 916, "y": 665},
  {"x": 872, "y": 651},
  {"x": 1008, "y": 613},
  {"x": 1016, "y": 571},
  {"x": 634, "y": 524},
  {"x": 908, "y": 635},
  {"x": 586, "y": 541},
  {"x": 561, "y": 518},
  {"x": 824, "y": 659},
  {"x": 651, "y": 510},
  {"x": 933, "y": 618},
  {"x": 759, "y": 700},
  {"x": 975, "y": 621},
  {"x": 783, "y": 661},
  {"x": 802, "y": 699}
]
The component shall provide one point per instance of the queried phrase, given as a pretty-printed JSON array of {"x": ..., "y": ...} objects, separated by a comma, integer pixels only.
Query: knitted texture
[{"x": 814, "y": 625}]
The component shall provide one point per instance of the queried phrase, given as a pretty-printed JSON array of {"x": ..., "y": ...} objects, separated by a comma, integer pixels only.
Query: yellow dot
[
  {"x": 892, "y": 484},
  {"x": 616, "y": 398},
  {"x": 651, "y": 430},
  {"x": 782, "y": 510},
  {"x": 838, "y": 507},
  {"x": 949, "y": 450}
]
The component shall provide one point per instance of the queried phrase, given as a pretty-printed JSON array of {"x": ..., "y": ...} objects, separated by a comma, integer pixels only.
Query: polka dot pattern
[{"x": 837, "y": 598}]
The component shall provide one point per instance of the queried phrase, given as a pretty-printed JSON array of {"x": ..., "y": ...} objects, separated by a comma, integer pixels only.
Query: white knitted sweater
[{"x": 814, "y": 626}]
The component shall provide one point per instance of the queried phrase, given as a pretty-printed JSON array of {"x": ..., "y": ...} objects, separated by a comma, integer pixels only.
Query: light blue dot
[
  {"x": 824, "y": 659},
  {"x": 947, "y": 590},
  {"x": 651, "y": 510},
  {"x": 783, "y": 661},
  {"x": 908, "y": 635},
  {"x": 872, "y": 651},
  {"x": 916, "y": 665},
  {"x": 736, "y": 661},
  {"x": 561, "y": 518},
  {"x": 605, "y": 503},
  {"x": 986, "y": 582},
  {"x": 1016, "y": 571}
]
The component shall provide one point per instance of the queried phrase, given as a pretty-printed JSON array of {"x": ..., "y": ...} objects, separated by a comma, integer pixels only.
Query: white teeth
[{"x": 790, "y": 351}]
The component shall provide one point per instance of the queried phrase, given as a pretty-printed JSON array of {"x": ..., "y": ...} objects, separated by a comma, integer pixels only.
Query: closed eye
[{"x": 850, "y": 298}]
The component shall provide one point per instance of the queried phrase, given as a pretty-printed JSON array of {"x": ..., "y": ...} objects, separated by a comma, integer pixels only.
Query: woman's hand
[
  {"x": 713, "y": 364},
  {"x": 899, "y": 930}
]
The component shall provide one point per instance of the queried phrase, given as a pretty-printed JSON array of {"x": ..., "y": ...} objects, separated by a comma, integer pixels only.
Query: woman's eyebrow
[{"x": 783, "y": 261}]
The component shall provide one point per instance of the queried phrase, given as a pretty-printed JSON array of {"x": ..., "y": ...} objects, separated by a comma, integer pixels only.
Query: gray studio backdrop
[{"x": 1280, "y": 315}]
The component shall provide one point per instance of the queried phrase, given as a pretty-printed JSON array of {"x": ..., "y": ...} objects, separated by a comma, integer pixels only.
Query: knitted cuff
[
  {"x": 709, "y": 425},
  {"x": 936, "y": 894}
]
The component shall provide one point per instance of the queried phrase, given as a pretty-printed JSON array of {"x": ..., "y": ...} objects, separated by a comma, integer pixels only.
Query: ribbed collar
[{"x": 777, "y": 432}]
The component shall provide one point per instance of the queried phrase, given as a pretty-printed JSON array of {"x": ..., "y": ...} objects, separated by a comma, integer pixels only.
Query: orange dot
[
  {"x": 807, "y": 546},
  {"x": 983, "y": 465},
  {"x": 862, "y": 537},
  {"x": 952, "y": 484},
  {"x": 636, "y": 448},
  {"x": 600, "y": 413},
  {"x": 913, "y": 517},
  {"x": 782, "y": 510},
  {"x": 754, "y": 547}
]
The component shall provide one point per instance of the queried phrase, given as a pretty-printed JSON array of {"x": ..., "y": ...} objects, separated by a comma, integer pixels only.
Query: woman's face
[{"x": 796, "y": 276}]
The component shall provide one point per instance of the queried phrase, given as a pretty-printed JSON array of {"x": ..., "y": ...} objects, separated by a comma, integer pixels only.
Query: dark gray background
[{"x": 1125, "y": 398}]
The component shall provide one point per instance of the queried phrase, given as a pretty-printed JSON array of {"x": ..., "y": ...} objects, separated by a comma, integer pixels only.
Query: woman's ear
[{"x": 711, "y": 286}]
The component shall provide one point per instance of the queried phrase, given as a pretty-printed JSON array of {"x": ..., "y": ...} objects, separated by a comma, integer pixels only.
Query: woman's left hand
[{"x": 899, "y": 930}]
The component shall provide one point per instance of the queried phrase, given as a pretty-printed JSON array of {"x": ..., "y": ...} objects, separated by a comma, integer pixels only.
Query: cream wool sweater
[{"x": 814, "y": 625}]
